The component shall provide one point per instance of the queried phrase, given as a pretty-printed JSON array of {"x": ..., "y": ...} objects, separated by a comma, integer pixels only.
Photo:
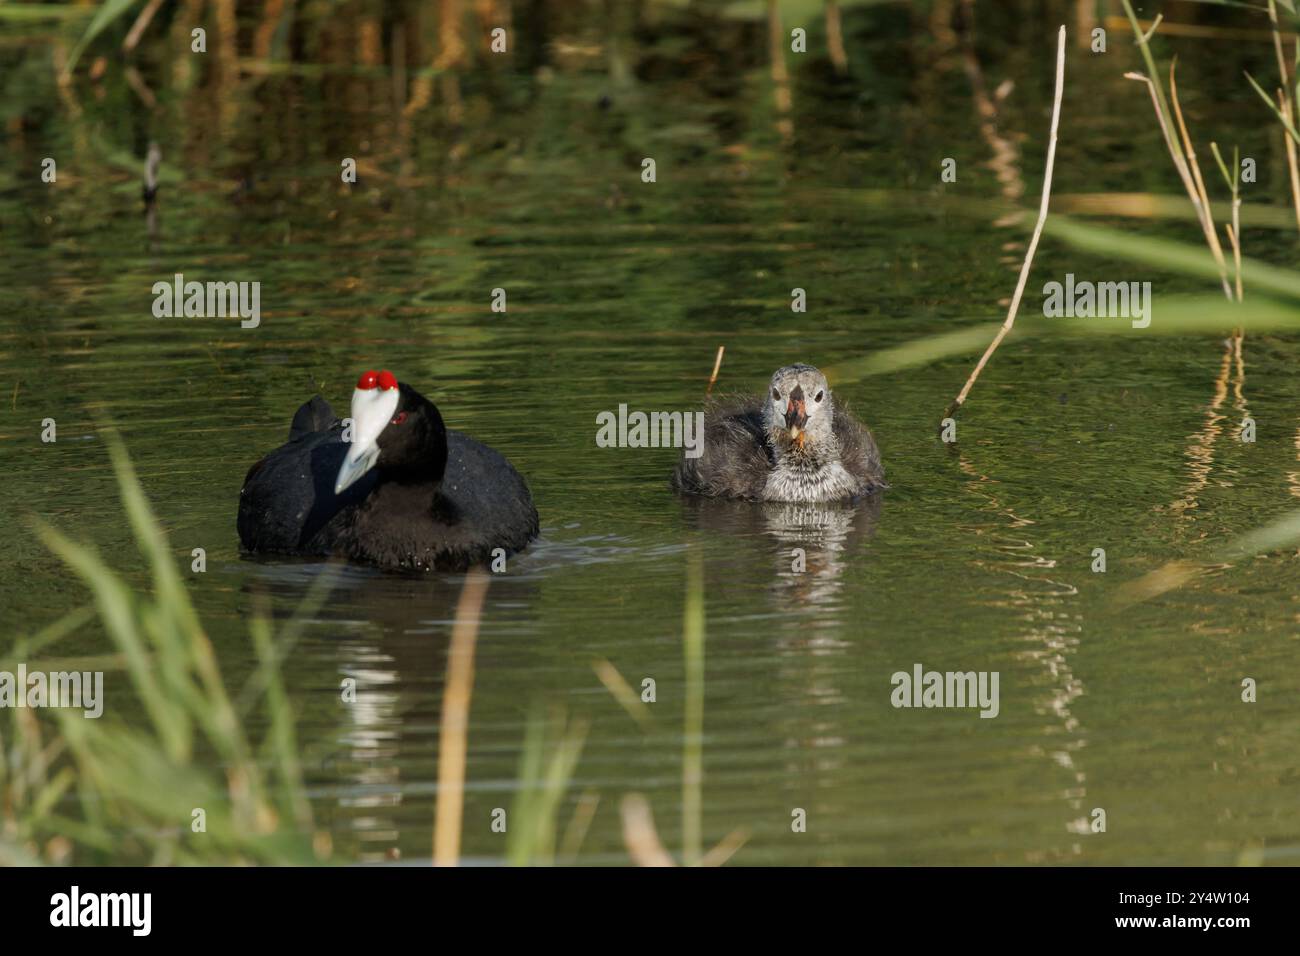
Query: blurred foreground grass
[{"x": 186, "y": 786}]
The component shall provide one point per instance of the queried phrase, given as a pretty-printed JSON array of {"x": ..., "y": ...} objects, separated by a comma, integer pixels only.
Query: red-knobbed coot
[
  {"x": 405, "y": 492},
  {"x": 793, "y": 444}
]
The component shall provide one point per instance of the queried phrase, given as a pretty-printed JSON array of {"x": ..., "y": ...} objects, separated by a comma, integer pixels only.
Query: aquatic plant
[
  {"x": 1182, "y": 153},
  {"x": 552, "y": 746},
  {"x": 150, "y": 791},
  {"x": 454, "y": 729},
  {"x": 640, "y": 835},
  {"x": 1033, "y": 242},
  {"x": 1275, "y": 308},
  {"x": 1287, "y": 107}
]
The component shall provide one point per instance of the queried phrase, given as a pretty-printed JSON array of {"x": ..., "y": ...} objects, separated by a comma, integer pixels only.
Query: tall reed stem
[
  {"x": 455, "y": 720},
  {"x": 1038, "y": 229}
]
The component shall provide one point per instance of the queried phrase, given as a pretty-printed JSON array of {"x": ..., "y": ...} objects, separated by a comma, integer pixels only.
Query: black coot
[{"x": 405, "y": 492}]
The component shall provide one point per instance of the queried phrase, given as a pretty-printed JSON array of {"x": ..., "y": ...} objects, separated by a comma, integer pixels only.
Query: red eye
[
  {"x": 387, "y": 380},
  {"x": 368, "y": 380},
  {"x": 401, "y": 417}
]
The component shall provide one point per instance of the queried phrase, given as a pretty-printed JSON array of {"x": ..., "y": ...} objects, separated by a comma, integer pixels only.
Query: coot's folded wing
[
  {"x": 735, "y": 459},
  {"x": 288, "y": 505},
  {"x": 483, "y": 503},
  {"x": 858, "y": 448}
]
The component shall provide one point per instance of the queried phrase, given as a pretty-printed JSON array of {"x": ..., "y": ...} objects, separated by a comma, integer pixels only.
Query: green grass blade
[
  {"x": 116, "y": 609},
  {"x": 104, "y": 16},
  {"x": 1182, "y": 258},
  {"x": 285, "y": 744},
  {"x": 1281, "y": 117}
]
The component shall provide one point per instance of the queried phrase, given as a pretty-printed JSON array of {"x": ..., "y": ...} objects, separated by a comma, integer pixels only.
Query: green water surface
[{"x": 978, "y": 558}]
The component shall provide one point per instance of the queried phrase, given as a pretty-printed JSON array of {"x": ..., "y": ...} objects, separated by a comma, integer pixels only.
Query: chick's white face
[{"x": 799, "y": 405}]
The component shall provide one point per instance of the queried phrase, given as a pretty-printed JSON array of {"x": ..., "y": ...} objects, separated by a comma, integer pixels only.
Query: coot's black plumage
[
  {"x": 794, "y": 444},
  {"x": 405, "y": 492}
]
